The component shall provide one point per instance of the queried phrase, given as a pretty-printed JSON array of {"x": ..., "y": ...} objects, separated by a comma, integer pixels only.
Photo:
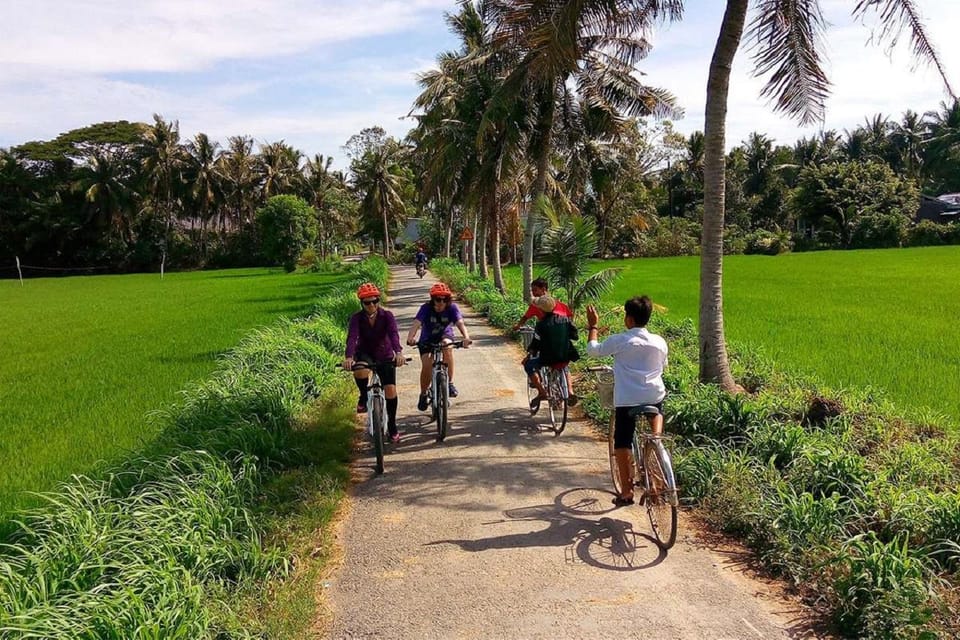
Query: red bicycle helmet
[
  {"x": 368, "y": 290},
  {"x": 441, "y": 290}
]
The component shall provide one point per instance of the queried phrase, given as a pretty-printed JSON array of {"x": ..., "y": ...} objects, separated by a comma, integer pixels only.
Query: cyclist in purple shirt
[
  {"x": 437, "y": 319},
  {"x": 372, "y": 337}
]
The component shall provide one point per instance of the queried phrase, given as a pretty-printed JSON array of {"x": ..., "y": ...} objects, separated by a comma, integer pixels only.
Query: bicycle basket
[
  {"x": 526, "y": 337},
  {"x": 605, "y": 388}
]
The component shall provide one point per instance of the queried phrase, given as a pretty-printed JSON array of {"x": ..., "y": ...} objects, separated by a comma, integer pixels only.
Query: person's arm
[
  {"x": 531, "y": 312},
  {"x": 394, "y": 333},
  {"x": 353, "y": 336},
  {"x": 412, "y": 334}
]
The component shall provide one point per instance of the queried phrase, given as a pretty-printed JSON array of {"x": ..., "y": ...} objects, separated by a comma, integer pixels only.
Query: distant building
[
  {"x": 942, "y": 209},
  {"x": 410, "y": 233}
]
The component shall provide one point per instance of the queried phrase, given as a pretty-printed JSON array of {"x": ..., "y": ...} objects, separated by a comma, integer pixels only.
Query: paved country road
[{"x": 505, "y": 531}]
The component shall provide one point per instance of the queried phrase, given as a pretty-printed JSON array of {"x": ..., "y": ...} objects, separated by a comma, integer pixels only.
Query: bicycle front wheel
[
  {"x": 377, "y": 417},
  {"x": 442, "y": 397},
  {"x": 661, "y": 492}
]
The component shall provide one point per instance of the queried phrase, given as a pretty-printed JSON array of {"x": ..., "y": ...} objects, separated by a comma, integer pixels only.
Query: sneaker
[
  {"x": 361, "y": 407},
  {"x": 452, "y": 390},
  {"x": 395, "y": 438},
  {"x": 422, "y": 402},
  {"x": 535, "y": 405},
  {"x": 572, "y": 400}
]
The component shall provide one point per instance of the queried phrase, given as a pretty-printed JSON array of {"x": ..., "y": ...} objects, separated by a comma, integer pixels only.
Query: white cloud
[{"x": 867, "y": 79}]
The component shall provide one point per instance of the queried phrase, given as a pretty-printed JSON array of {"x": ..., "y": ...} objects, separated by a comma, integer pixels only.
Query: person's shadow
[{"x": 604, "y": 542}]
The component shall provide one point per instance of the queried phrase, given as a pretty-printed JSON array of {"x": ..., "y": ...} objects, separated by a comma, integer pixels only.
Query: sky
[{"x": 315, "y": 72}]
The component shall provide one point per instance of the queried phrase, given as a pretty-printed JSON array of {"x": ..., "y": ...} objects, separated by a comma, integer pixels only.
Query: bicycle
[
  {"x": 651, "y": 467},
  {"x": 376, "y": 409},
  {"x": 439, "y": 393},
  {"x": 555, "y": 382}
]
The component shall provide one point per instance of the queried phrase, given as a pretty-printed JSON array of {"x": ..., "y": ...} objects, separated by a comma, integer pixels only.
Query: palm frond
[
  {"x": 595, "y": 286},
  {"x": 897, "y": 15},
  {"x": 788, "y": 37}
]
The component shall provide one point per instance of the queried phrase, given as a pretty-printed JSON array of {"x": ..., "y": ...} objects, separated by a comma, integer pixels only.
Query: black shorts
[
  {"x": 426, "y": 347},
  {"x": 387, "y": 372},
  {"x": 624, "y": 426}
]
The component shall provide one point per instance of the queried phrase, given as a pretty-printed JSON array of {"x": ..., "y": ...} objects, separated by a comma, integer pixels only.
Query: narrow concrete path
[{"x": 505, "y": 531}]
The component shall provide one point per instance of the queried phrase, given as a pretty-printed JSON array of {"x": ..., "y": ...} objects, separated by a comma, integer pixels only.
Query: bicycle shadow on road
[{"x": 605, "y": 543}]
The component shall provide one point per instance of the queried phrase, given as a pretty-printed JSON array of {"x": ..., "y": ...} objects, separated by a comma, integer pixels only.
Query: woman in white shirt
[{"x": 639, "y": 358}]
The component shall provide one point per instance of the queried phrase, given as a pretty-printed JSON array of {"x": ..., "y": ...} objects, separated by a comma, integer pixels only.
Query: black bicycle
[
  {"x": 439, "y": 396},
  {"x": 651, "y": 469},
  {"x": 377, "y": 427}
]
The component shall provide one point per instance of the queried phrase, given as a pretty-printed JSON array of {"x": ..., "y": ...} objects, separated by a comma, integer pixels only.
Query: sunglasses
[
  {"x": 440, "y": 299},
  {"x": 370, "y": 301}
]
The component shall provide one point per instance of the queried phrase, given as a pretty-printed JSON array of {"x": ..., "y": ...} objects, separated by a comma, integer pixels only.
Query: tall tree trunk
[
  {"x": 714, "y": 366},
  {"x": 494, "y": 224},
  {"x": 386, "y": 236},
  {"x": 449, "y": 234},
  {"x": 482, "y": 243},
  {"x": 545, "y": 128}
]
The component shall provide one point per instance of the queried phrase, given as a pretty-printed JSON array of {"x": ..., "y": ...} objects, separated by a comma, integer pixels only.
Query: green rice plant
[{"x": 880, "y": 589}]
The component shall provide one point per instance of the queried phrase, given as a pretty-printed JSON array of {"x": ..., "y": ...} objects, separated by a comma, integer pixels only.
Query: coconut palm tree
[
  {"x": 788, "y": 36},
  {"x": 163, "y": 162},
  {"x": 566, "y": 246},
  {"x": 590, "y": 44},
  {"x": 381, "y": 179},
  {"x": 237, "y": 167}
]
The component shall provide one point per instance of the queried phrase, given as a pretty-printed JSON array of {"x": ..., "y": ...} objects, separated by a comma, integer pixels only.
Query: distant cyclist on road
[
  {"x": 639, "y": 358},
  {"x": 552, "y": 346},
  {"x": 420, "y": 261},
  {"x": 437, "y": 319},
  {"x": 372, "y": 337}
]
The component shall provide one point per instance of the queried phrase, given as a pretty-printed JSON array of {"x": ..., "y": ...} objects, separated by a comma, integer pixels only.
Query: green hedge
[
  {"x": 155, "y": 549},
  {"x": 855, "y": 505}
]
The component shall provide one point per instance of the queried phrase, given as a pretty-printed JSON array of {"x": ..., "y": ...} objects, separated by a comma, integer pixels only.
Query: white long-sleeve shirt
[{"x": 639, "y": 358}]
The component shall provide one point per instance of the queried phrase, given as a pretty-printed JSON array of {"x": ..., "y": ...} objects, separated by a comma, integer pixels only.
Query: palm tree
[
  {"x": 163, "y": 163},
  {"x": 788, "y": 36},
  {"x": 279, "y": 169},
  {"x": 592, "y": 44},
  {"x": 567, "y": 244},
  {"x": 206, "y": 190},
  {"x": 106, "y": 181},
  {"x": 238, "y": 169},
  {"x": 381, "y": 180}
]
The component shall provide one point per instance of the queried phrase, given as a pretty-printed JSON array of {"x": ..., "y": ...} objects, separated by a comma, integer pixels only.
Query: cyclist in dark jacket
[{"x": 552, "y": 346}]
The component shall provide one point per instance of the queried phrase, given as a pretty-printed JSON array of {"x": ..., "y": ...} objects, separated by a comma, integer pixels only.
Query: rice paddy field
[
  {"x": 883, "y": 319},
  {"x": 83, "y": 361}
]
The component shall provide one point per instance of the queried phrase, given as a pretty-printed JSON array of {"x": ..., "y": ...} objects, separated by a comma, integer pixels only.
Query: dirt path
[{"x": 505, "y": 531}]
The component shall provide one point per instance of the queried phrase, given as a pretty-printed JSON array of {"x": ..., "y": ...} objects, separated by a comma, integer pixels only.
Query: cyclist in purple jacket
[{"x": 373, "y": 338}]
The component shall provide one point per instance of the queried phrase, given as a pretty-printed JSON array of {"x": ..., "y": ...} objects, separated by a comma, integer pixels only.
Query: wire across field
[
  {"x": 86, "y": 359},
  {"x": 885, "y": 319}
]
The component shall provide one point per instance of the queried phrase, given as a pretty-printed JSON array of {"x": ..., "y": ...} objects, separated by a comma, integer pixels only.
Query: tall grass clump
[
  {"x": 160, "y": 546},
  {"x": 854, "y": 504}
]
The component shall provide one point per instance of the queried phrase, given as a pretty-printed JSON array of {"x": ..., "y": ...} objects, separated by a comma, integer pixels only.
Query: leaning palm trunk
[
  {"x": 494, "y": 224},
  {"x": 482, "y": 241},
  {"x": 539, "y": 191},
  {"x": 386, "y": 235},
  {"x": 714, "y": 366}
]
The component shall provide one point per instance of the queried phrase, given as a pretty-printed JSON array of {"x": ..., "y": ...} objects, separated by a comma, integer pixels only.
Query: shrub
[
  {"x": 287, "y": 225},
  {"x": 879, "y": 231}
]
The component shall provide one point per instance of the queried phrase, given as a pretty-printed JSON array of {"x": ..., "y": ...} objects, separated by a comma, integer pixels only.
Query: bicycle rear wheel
[
  {"x": 441, "y": 395},
  {"x": 558, "y": 401},
  {"x": 377, "y": 416},
  {"x": 661, "y": 492}
]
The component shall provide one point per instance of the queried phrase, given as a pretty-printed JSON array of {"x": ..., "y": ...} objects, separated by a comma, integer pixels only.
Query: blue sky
[{"x": 314, "y": 72}]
